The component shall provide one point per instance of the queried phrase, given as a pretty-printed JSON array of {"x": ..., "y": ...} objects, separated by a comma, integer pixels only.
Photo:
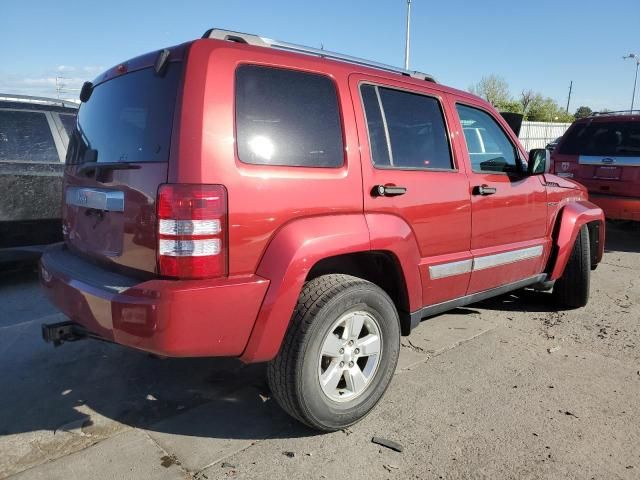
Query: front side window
[
  {"x": 26, "y": 137},
  {"x": 288, "y": 118},
  {"x": 406, "y": 130},
  {"x": 489, "y": 148}
]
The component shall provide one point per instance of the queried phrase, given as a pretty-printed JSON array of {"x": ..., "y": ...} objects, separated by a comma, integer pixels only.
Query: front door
[
  {"x": 405, "y": 146},
  {"x": 509, "y": 208}
]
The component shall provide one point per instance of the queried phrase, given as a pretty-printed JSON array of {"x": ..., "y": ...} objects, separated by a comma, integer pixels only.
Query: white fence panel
[{"x": 538, "y": 134}]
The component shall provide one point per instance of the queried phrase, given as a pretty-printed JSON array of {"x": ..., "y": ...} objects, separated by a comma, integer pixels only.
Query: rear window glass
[
  {"x": 26, "y": 137},
  {"x": 620, "y": 139},
  {"x": 290, "y": 118},
  {"x": 68, "y": 122},
  {"x": 128, "y": 118},
  {"x": 406, "y": 130}
]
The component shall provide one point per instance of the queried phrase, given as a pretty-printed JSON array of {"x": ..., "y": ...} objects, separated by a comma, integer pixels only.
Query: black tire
[
  {"x": 294, "y": 374},
  {"x": 572, "y": 288}
]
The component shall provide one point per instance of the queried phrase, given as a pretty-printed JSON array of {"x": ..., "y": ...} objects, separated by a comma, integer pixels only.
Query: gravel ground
[{"x": 509, "y": 388}]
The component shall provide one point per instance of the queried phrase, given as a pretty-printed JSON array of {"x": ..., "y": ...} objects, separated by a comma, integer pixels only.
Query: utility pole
[
  {"x": 635, "y": 82},
  {"x": 408, "y": 39},
  {"x": 569, "y": 99}
]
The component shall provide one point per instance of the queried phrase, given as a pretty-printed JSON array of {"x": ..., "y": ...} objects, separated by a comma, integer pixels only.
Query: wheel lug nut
[
  {"x": 341, "y": 351},
  {"x": 342, "y": 364},
  {"x": 350, "y": 364},
  {"x": 350, "y": 342},
  {"x": 356, "y": 351}
]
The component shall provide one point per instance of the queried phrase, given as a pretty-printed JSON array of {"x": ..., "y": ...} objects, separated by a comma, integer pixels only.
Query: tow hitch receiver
[{"x": 61, "y": 332}]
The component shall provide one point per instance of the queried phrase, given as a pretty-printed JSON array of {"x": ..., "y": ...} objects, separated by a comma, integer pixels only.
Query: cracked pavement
[{"x": 507, "y": 388}]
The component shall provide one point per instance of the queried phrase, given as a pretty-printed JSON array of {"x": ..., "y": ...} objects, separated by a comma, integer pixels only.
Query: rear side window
[
  {"x": 26, "y": 137},
  {"x": 611, "y": 139},
  {"x": 406, "y": 130},
  {"x": 68, "y": 122},
  {"x": 289, "y": 118},
  {"x": 490, "y": 150}
]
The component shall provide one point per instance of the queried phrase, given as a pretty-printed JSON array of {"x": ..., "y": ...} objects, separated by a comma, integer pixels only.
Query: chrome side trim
[
  {"x": 449, "y": 269},
  {"x": 482, "y": 263},
  {"x": 97, "y": 198},
  {"x": 609, "y": 161},
  {"x": 490, "y": 261}
]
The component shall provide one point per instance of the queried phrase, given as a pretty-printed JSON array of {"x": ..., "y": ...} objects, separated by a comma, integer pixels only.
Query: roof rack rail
[
  {"x": 616, "y": 112},
  {"x": 11, "y": 97},
  {"x": 256, "y": 40}
]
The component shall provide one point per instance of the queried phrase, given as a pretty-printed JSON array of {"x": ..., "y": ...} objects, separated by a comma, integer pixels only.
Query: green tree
[
  {"x": 546, "y": 109},
  {"x": 493, "y": 89},
  {"x": 511, "y": 106},
  {"x": 583, "y": 112}
]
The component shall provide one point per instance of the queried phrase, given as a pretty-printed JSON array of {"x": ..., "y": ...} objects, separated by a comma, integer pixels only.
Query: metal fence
[{"x": 538, "y": 134}]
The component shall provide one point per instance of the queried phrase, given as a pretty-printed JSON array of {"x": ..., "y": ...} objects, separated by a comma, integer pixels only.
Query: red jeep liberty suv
[{"x": 238, "y": 196}]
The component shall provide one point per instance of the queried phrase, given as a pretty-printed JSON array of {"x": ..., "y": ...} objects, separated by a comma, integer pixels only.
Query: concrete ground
[{"x": 509, "y": 388}]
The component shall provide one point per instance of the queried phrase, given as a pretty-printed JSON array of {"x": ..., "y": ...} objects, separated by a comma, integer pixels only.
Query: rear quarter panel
[{"x": 261, "y": 199}]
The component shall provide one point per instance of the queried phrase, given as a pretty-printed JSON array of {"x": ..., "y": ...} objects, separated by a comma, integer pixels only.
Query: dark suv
[
  {"x": 238, "y": 196},
  {"x": 603, "y": 153},
  {"x": 34, "y": 135}
]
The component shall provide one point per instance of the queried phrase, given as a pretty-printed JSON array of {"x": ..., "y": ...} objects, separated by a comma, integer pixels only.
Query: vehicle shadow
[
  {"x": 525, "y": 300},
  {"x": 97, "y": 388},
  {"x": 623, "y": 237}
]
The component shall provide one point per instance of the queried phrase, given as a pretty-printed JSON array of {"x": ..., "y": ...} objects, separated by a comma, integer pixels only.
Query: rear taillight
[{"x": 192, "y": 224}]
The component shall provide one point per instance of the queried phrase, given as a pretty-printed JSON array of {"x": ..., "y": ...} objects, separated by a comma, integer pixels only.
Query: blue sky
[{"x": 539, "y": 45}]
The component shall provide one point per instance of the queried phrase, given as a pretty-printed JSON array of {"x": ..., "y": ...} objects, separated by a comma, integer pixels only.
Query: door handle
[
  {"x": 484, "y": 190},
  {"x": 388, "y": 191}
]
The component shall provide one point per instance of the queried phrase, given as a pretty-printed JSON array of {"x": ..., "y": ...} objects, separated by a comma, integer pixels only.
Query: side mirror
[{"x": 539, "y": 161}]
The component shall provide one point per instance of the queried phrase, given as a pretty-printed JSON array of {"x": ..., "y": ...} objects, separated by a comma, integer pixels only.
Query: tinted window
[
  {"x": 489, "y": 147},
  {"x": 614, "y": 139},
  {"x": 375, "y": 124},
  {"x": 128, "y": 118},
  {"x": 287, "y": 118},
  {"x": 68, "y": 122},
  {"x": 26, "y": 136},
  {"x": 408, "y": 131}
]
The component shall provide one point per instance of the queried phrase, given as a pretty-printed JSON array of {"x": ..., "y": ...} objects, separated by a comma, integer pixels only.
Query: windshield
[
  {"x": 621, "y": 139},
  {"x": 128, "y": 119}
]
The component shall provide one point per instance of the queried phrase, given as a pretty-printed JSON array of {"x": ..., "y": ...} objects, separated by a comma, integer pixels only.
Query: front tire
[
  {"x": 572, "y": 288},
  {"x": 339, "y": 354}
]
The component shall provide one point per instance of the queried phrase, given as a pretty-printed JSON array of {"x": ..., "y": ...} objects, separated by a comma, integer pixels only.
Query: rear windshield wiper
[{"x": 96, "y": 166}]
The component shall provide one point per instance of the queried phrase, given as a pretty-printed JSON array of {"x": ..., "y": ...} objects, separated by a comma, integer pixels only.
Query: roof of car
[
  {"x": 28, "y": 101},
  {"x": 617, "y": 116}
]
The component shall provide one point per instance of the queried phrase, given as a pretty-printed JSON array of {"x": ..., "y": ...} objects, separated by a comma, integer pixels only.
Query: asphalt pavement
[{"x": 508, "y": 388}]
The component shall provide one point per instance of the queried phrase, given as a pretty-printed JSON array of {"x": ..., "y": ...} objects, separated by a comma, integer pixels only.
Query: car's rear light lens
[{"x": 192, "y": 223}]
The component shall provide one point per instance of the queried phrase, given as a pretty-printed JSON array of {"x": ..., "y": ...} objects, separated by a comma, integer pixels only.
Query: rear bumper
[
  {"x": 618, "y": 208},
  {"x": 168, "y": 317}
]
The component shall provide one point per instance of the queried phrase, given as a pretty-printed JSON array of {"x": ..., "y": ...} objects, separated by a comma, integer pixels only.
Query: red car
[
  {"x": 603, "y": 153},
  {"x": 237, "y": 196}
]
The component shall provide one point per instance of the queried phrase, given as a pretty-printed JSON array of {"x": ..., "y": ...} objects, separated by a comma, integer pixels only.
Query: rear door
[
  {"x": 405, "y": 142},
  {"x": 118, "y": 156},
  {"x": 509, "y": 208},
  {"x": 607, "y": 151}
]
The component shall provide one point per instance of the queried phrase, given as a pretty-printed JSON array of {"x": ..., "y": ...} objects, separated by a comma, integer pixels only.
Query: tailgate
[
  {"x": 118, "y": 156},
  {"x": 606, "y": 153}
]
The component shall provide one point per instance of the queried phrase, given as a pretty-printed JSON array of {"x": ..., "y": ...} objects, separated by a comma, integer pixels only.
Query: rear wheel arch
[{"x": 379, "y": 267}]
